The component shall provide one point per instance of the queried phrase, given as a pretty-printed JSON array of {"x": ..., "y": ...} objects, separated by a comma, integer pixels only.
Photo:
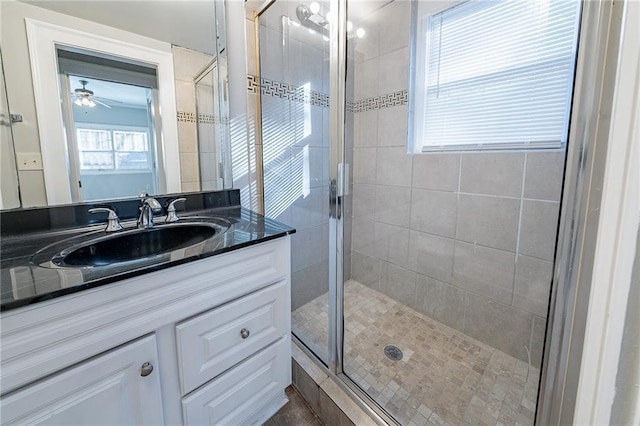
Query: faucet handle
[
  {"x": 113, "y": 223},
  {"x": 172, "y": 216}
]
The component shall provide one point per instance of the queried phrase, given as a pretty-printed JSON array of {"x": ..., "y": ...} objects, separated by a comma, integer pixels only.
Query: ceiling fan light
[
  {"x": 91, "y": 103},
  {"x": 78, "y": 102},
  {"x": 85, "y": 101}
]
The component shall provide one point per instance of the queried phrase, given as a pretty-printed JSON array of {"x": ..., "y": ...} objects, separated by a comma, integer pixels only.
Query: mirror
[{"x": 111, "y": 98}]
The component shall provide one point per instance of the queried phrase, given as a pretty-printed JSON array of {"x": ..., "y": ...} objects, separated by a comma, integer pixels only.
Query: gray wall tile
[
  {"x": 398, "y": 283},
  {"x": 393, "y": 30},
  {"x": 330, "y": 413},
  {"x": 501, "y": 326},
  {"x": 364, "y": 200},
  {"x": 538, "y": 229},
  {"x": 392, "y": 126},
  {"x": 310, "y": 210},
  {"x": 393, "y": 75},
  {"x": 485, "y": 271},
  {"x": 395, "y": 170},
  {"x": 366, "y": 73},
  {"x": 492, "y": 173},
  {"x": 440, "y": 301},
  {"x": 436, "y": 171},
  {"x": 434, "y": 212},
  {"x": 364, "y": 165},
  {"x": 308, "y": 163},
  {"x": 431, "y": 255},
  {"x": 368, "y": 129},
  {"x": 488, "y": 221},
  {"x": 307, "y": 387},
  {"x": 532, "y": 285},
  {"x": 306, "y": 248},
  {"x": 393, "y": 205},
  {"x": 309, "y": 283},
  {"x": 365, "y": 270},
  {"x": 543, "y": 176},
  {"x": 364, "y": 237},
  {"x": 392, "y": 244}
]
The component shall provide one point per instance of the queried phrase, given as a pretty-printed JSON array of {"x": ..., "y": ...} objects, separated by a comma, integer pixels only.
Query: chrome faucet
[
  {"x": 172, "y": 215},
  {"x": 148, "y": 207},
  {"x": 113, "y": 223}
]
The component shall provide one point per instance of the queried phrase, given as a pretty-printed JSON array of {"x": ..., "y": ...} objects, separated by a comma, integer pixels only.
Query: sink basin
[{"x": 134, "y": 244}]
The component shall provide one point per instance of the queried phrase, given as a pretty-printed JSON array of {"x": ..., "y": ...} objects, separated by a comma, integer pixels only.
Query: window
[
  {"x": 113, "y": 149},
  {"x": 495, "y": 75}
]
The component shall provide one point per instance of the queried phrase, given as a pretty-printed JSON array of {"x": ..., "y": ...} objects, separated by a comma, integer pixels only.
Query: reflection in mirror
[
  {"x": 10, "y": 197},
  {"x": 210, "y": 128},
  {"x": 108, "y": 112},
  {"x": 93, "y": 138}
]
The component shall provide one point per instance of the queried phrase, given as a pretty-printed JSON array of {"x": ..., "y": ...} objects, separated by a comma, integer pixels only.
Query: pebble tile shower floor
[{"x": 444, "y": 377}]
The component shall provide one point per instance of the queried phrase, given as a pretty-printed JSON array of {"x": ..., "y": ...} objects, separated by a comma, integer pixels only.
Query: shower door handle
[
  {"x": 338, "y": 188},
  {"x": 343, "y": 180}
]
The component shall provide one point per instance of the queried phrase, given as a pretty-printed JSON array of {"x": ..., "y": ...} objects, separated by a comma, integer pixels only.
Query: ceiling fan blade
[
  {"x": 101, "y": 103},
  {"x": 108, "y": 99}
]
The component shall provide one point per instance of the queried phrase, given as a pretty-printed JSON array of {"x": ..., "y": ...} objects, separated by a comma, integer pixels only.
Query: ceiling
[
  {"x": 112, "y": 94},
  {"x": 186, "y": 23}
]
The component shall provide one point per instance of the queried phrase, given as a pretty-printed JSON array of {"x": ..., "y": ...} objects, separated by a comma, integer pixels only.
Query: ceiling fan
[{"x": 85, "y": 97}]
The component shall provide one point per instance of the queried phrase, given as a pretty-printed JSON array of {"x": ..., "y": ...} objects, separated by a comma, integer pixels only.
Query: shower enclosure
[{"x": 421, "y": 277}]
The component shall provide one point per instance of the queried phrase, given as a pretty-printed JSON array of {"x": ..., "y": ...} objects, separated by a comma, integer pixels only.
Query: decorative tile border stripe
[
  {"x": 299, "y": 94},
  {"x": 186, "y": 117},
  {"x": 286, "y": 91},
  {"x": 253, "y": 86},
  {"x": 382, "y": 101},
  {"x": 190, "y": 117},
  {"x": 208, "y": 119}
]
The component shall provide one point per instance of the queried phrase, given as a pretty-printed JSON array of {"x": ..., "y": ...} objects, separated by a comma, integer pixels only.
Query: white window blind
[{"x": 498, "y": 75}]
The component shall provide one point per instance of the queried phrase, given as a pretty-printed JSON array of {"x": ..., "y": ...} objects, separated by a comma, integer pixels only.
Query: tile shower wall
[
  {"x": 294, "y": 71},
  {"x": 465, "y": 238},
  {"x": 187, "y": 63}
]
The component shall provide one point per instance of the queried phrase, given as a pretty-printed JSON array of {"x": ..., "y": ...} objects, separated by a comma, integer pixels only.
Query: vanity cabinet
[
  {"x": 215, "y": 330},
  {"x": 111, "y": 389}
]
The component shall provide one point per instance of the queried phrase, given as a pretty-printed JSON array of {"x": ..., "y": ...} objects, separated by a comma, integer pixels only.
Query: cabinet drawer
[
  {"x": 236, "y": 396},
  {"x": 108, "y": 390},
  {"x": 217, "y": 340}
]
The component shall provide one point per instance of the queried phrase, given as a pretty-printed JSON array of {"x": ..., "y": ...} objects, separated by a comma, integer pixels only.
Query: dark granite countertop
[{"x": 28, "y": 276}]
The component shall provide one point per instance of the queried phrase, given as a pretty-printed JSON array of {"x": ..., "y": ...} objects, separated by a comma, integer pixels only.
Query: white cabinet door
[
  {"x": 236, "y": 396},
  {"x": 106, "y": 390},
  {"x": 217, "y": 340}
]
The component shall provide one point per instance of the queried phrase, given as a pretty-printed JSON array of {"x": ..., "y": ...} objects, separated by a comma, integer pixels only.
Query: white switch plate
[{"x": 29, "y": 160}]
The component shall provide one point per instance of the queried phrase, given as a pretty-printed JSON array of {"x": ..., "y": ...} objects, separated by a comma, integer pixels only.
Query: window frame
[
  {"x": 420, "y": 42},
  {"x": 112, "y": 129}
]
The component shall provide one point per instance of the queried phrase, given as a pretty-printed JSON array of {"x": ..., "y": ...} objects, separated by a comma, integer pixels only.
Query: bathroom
[{"x": 429, "y": 283}]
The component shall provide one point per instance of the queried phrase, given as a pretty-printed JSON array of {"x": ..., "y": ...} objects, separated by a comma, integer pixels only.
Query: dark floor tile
[
  {"x": 295, "y": 413},
  {"x": 315, "y": 422}
]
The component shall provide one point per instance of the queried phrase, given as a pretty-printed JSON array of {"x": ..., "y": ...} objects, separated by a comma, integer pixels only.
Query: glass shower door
[
  {"x": 452, "y": 251},
  {"x": 294, "y": 71}
]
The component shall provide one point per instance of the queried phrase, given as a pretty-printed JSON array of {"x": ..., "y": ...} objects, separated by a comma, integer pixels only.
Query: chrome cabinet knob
[
  {"x": 244, "y": 333},
  {"x": 146, "y": 369}
]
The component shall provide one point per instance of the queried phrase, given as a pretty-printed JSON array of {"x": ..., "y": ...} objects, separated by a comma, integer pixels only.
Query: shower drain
[{"x": 393, "y": 352}]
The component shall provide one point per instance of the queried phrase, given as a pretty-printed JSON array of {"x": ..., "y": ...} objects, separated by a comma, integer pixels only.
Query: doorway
[{"x": 108, "y": 108}]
